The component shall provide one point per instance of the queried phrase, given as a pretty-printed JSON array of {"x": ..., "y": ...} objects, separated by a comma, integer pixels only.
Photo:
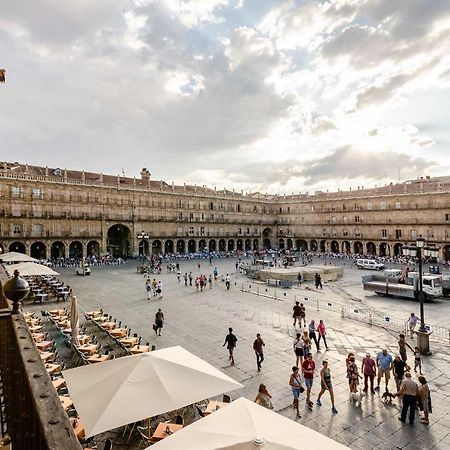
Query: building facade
[{"x": 50, "y": 213}]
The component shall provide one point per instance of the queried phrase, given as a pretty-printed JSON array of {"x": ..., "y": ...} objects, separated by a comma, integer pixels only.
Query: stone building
[{"x": 52, "y": 212}]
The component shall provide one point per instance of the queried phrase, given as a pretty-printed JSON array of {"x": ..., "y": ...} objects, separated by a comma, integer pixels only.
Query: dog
[
  {"x": 387, "y": 397},
  {"x": 356, "y": 397}
]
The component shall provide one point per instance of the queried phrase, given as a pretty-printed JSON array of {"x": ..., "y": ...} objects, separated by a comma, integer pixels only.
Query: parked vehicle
[{"x": 369, "y": 264}]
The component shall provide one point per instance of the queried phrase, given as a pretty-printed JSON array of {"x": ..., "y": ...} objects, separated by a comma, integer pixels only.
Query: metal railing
[{"x": 356, "y": 312}]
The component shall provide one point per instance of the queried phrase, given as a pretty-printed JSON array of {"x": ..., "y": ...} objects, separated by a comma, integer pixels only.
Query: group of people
[{"x": 153, "y": 287}]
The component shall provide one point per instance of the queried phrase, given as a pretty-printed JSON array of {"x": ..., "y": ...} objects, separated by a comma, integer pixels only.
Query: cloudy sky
[{"x": 259, "y": 95}]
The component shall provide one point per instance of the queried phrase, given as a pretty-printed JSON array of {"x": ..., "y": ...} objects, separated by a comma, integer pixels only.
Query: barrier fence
[{"x": 356, "y": 312}]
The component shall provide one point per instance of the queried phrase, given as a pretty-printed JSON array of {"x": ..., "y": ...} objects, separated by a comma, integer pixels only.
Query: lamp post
[{"x": 418, "y": 251}]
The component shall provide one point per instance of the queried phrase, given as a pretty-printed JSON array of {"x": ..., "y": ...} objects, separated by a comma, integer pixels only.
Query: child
[{"x": 417, "y": 360}]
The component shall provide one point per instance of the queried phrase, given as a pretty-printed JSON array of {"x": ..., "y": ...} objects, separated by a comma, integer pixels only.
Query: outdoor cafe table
[
  {"x": 160, "y": 432},
  {"x": 57, "y": 312},
  {"x": 214, "y": 405},
  {"x": 118, "y": 332},
  {"x": 66, "y": 402},
  {"x": 44, "y": 345},
  {"x": 87, "y": 348},
  {"x": 45, "y": 356},
  {"x": 83, "y": 339},
  {"x": 140, "y": 349},
  {"x": 101, "y": 319},
  {"x": 129, "y": 342},
  {"x": 108, "y": 325},
  {"x": 53, "y": 368},
  {"x": 32, "y": 322},
  {"x": 78, "y": 427},
  {"x": 38, "y": 337},
  {"x": 93, "y": 313},
  {"x": 35, "y": 328},
  {"x": 58, "y": 383},
  {"x": 98, "y": 358},
  {"x": 28, "y": 315}
]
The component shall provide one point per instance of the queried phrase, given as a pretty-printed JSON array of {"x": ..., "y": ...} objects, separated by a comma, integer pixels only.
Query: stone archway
[
  {"x": 446, "y": 252},
  {"x": 181, "y": 246},
  {"x": 212, "y": 245},
  {"x": 371, "y": 248},
  {"x": 334, "y": 246},
  {"x": 313, "y": 245},
  {"x": 301, "y": 245},
  {"x": 398, "y": 249},
  {"x": 202, "y": 246},
  {"x": 239, "y": 245},
  {"x": 168, "y": 246},
  {"x": 2, "y": 249},
  {"x": 93, "y": 248},
  {"x": 230, "y": 245},
  {"x": 118, "y": 241},
  {"x": 222, "y": 245},
  {"x": 144, "y": 247},
  {"x": 156, "y": 247},
  {"x": 323, "y": 246},
  {"x": 267, "y": 244},
  {"x": 192, "y": 247},
  {"x": 248, "y": 245},
  {"x": 358, "y": 247},
  {"x": 38, "y": 250},
  {"x": 57, "y": 250},
  {"x": 385, "y": 249},
  {"x": 290, "y": 244},
  {"x": 281, "y": 244},
  {"x": 18, "y": 247},
  {"x": 75, "y": 249},
  {"x": 255, "y": 245},
  {"x": 346, "y": 247},
  {"x": 267, "y": 232}
]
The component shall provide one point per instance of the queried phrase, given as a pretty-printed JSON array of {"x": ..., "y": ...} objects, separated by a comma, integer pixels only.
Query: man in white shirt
[{"x": 412, "y": 322}]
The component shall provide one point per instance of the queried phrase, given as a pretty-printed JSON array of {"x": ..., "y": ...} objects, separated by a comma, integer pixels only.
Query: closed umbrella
[
  {"x": 244, "y": 425},
  {"x": 30, "y": 269},
  {"x": 74, "y": 320},
  {"x": 16, "y": 257},
  {"x": 113, "y": 393}
]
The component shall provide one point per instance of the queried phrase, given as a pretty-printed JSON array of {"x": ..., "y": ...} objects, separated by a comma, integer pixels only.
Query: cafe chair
[
  {"x": 72, "y": 413},
  {"x": 226, "y": 398},
  {"x": 178, "y": 419},
  {"x": 147, "y": 440},
  {"x": 199, "y": 410}
]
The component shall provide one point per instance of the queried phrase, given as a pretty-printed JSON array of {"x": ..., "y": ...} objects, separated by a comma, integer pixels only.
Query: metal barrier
[{"x": 356, "y": 312}]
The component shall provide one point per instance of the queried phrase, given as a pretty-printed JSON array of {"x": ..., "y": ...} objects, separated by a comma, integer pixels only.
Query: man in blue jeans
[{"x": 259, "y": 351}]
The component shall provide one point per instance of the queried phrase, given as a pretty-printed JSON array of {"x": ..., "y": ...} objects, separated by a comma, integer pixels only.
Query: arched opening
[
  {"x": 346, "y": 247},
  {"x": 181, "y": 246},
  {"x": 18, "y": 247},
  {"x": 239, "y": 245},
  {"x": 212, "y": 245},
  {"x": 144, "y": 247},
  {"x": 202, "y": 247},
  {"x": 323, "y": 246},
  {"x": 313, "y": 246},
  {"x": 156, "y": 247},
  {"x": 75, "y": 249},
  {"x": 267, "y": 244},
  {"x": 385, "y": 249},
  {"x": 93, "y": 248},
  {"x": 334, "y": 246},
  {"x": 289, "y": 244},
  {"x": 57, "y": 250},
  {"x": 230, "y": 245},
  {"x": 371, "y": 248},
  {"x": 192, "y": 246},
  {"x": 222, "y": 245},
  {"x": 2, "y": 249},
  {"x": 168, "y": 246},
  {"x": 255, "y": 245},
  {"x": 281, "y": 244},
  {"x": 38, "y": 250},
  {"x": 398, "y": 249},
  {"x": 267, "y": 232},
  {"x": 248, "y": 245},
  {"x": 358, "y": 248},
  {"x": 118, "y": 241},
  {"x": 301, "y": 245},
  {"x": 446, "y": 252}
]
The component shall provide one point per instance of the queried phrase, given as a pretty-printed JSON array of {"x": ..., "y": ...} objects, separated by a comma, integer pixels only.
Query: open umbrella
[
  {"x": 74, "y": 321},
  {"x": 113, "y": 393},
  {"x": 16, "y": 257},
  {"x": 244, "y": 425},
  {"x": 30, "y": 269}
]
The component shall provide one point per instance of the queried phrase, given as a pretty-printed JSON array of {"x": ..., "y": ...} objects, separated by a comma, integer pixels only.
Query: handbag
[{"x": 155, "y": 327}]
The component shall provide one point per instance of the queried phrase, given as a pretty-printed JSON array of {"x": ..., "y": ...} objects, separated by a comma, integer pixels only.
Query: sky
[{"x": 272, "y": 96}]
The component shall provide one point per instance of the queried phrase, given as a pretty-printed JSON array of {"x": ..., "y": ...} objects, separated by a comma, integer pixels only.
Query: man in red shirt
[
  {"x": 258, "y": 347},
  {"x": 308, "y": 367}
]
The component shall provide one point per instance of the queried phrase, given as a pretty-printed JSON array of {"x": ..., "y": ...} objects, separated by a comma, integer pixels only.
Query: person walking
[
  {"x": 210, "y": 281},
  {"x": 417, "y": 360},
  {"x": 424, "y": 400},
  {"x": 230, "y": 342},
  {"x": 296, "y": 313},
  {"x": 159, "y": 289},
  {"x": 190, "y": 278},
  {"x": 302, "y": 315},
  {"x": 308, "y": 367},
  {"x": 312, "y": 333},
  {"x": 185, "y": 279},
  {"x": 306, "y": 342},
  {"x": 159, "y": 322},
  {"x": 352, "y": 375},
  {"x": 412, "y": 322},
  {"x": 264, "y": 398},
  {"x": 258, "y": 345},
  {"x": 402, "y": 346},
  {"x": 227, "y": 282},
  {"x": 321, "y": 329},
  {"x": 295, "y": 382},
  {"x": 368, "y": 368},
  {"x": 398, "y": 370},
  {"x": 384, "y": 365},
  {"x": 408, "y": 391},
  {"x": 215, "y": 272},
  {"x": 148, "y": 289},
  {"x": 154, "y": 287},
  {"x": 326, "y": 385},
  {"x": 318, "y": 280},
  {"x": 298, "y": 349},
  {"x": 299, "y": 279}
]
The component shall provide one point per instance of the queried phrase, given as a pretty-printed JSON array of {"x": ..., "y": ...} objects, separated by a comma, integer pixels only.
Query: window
[
  {"x": 384, "y": 233},
  {"x": 281, "y": 210},
  {"x": 202, "y": 231},
  {"x": 345, "y": 219},
  {"x": 357, "y": 232},
  {"x": 430, "y": 234},
  {"x": 397, "y": 205},
  {"x": 312, "y": 208},
  {"x": 288, "y": 209},
  {"x": 398, "y": 234},
  {"x": 239, "y": 208},
  {"x": 16, "y": 191},
  {"x": 357, "y": 219},
  {"x": 344, "y": 207},
  {"x": 333, "y": 219},
  {"x": 333, "y": 208},
  {"x": 324, "y": 232},
  {"x": 191, "y": 217},
  {"x": 247, "y": 231},
  {"x": 179, "y": 204},
  {"x": 37, "y": 230},
  {"x": 180, "y": 216},
  {"x": 16, "y": 229},
  {"x": 36, "y": 193},
  {"x": 15, "y": 210},
  {"x": 212, "y": 216},
  {"x": 345, "y": 233},
  {"x": 211, "y": 205},
  {"x": 191, "y": 231},
  {"x": 202, "y": 217},
  {"x": 255, "y": 209},
  {"x": 220, "y": 231},
  {"x": 447, "y": 217},
  {"x": 264, "y": 209},
  {"x": 255, "y": 231},
  {"x": 211, "y": 231},
  {"x": 180, "y": 231},
  {"x": 239, "y": 231},
  {"x": 413, "y": 234},
  {"x": 383, "y": 205},
  {"x": 333, "y": 232},
  {"x": 37, "y": 210}
]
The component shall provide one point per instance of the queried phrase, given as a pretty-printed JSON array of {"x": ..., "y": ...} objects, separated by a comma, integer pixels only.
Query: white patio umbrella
[
  {"x": 29, "y": 269},
  {"x": 113, "y": 393},
  {"x": 16, "y": 257},
  {"x": 74, "y": 320},
  {"x": 244, "y": 425}
]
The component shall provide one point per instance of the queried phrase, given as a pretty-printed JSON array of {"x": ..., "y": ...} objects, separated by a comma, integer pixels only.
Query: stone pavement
[{"x": 199, "y": 322}]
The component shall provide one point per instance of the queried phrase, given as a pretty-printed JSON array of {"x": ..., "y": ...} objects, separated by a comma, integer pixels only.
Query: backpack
[{"x": 148, "y": 287}]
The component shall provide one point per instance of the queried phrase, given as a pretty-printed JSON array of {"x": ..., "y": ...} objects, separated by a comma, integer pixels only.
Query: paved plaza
[{"x": 199, "y": 322}]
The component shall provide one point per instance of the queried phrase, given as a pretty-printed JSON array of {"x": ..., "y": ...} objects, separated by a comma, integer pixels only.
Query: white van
[{"x": 369, "y": 264}]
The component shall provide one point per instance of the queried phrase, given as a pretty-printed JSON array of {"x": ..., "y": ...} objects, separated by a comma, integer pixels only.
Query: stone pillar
[
  {"x": 66, "y": 249},
  {"x": 84, "y": 248}
]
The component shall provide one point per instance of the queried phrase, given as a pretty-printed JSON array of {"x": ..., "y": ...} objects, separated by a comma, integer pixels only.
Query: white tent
[
  {"x": 124, "y": 390},
  {"x": 29, "y": 269},
  {"x": 244, "y": 425},
  {"x": 16, "y": 257},
  {"x": 74, "y": 320}
]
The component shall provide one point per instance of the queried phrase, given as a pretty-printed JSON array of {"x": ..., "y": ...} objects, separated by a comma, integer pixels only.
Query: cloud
[{"x": 348, "y": 162}]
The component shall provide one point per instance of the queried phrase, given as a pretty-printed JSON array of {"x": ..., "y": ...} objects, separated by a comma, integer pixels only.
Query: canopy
[
  {"x": 16, "y": 257},
  {"x": 74, "y": 321},
  {"x": 243, "y": 425},
  {"x": 113, "y": 393},
  {"x": 29, "y": 269}
]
